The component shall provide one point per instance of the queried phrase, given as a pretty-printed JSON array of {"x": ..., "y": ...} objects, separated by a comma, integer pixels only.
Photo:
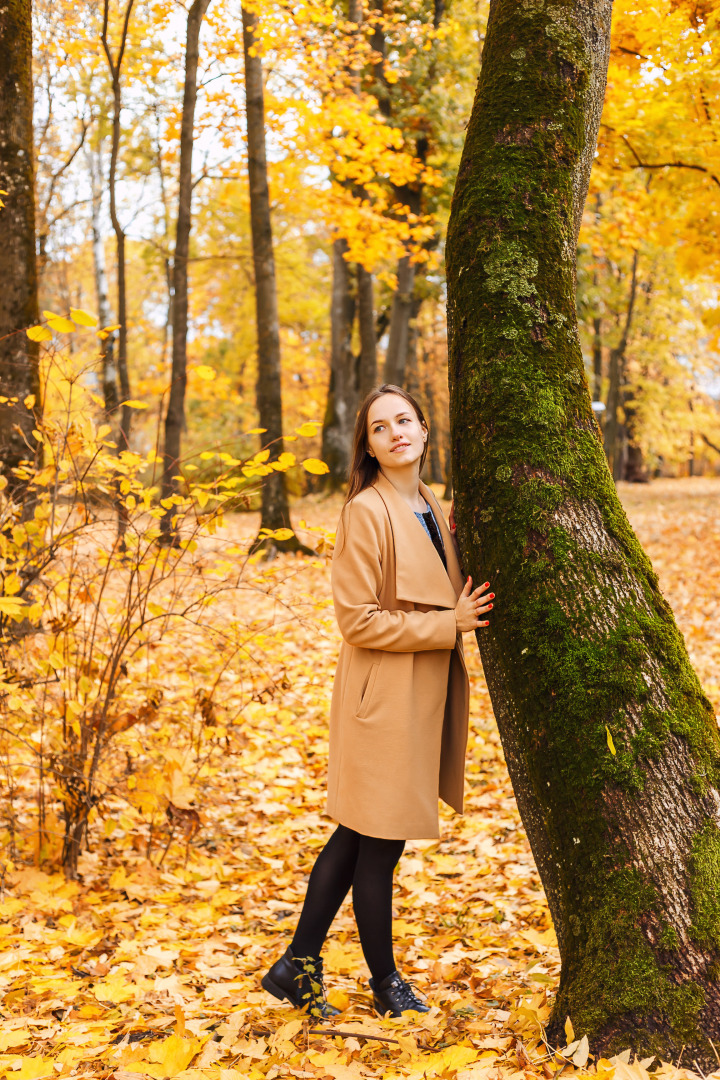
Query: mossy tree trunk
[
  {"x": 582, "y": 642},
  {"x": 19, "y": 376}
]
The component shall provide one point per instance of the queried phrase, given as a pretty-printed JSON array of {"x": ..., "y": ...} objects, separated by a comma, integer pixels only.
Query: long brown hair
[{"x": 364, "y": 468}]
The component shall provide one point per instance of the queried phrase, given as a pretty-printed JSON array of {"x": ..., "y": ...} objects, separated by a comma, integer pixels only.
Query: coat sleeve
[{"x": 356, "y": 583}]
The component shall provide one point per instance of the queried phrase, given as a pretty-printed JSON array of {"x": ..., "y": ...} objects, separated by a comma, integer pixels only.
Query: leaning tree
[{"x": 612, "y": 746}]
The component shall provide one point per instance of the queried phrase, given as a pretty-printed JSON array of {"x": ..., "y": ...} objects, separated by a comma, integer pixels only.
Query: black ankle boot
[
  {"x": 300, "y": 981},
  {"x": 396, "y": 996}
]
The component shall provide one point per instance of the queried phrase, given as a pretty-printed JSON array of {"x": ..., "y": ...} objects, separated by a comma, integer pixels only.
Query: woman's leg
[
  {"x": 372, "y": 901},
  {"x": 330, "y": 880}
]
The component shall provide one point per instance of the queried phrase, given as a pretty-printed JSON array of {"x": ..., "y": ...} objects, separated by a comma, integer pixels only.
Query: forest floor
[{"x": 153, "y": 970}]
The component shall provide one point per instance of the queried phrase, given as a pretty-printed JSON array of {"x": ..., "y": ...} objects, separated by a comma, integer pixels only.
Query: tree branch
[{"x": 640, "y": 164}]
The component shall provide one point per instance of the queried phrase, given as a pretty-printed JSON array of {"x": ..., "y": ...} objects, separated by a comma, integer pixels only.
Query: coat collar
[{"x": 420, "y": 576}]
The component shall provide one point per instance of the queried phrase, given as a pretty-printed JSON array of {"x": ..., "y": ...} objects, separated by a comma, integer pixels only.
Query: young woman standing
[{"x": 399, "y": 716}]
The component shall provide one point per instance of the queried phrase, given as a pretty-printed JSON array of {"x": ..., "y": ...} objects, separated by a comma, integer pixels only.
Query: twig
[
  {"x": 681, "y": 1054},
  {"x": 699, "y": 1069},
  {"x": 349, "y": 1034},
  {"x": 714, "y": 1050}
]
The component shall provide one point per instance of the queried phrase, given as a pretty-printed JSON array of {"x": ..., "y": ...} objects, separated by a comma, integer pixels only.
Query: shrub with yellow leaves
[{"x": 116, "y": 649}]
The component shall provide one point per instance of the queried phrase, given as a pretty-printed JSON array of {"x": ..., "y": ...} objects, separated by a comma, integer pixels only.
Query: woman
[{"x": 398, "y": 722}]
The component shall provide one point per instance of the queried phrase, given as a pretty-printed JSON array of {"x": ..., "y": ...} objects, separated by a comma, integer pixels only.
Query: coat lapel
[{"x": 420, "y": 576}]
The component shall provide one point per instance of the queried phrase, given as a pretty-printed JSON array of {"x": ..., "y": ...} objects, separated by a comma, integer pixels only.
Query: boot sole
[{"x": 276, "y": 991}]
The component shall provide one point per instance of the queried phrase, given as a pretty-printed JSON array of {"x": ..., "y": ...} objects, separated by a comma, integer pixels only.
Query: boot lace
[{"x": 407, "y": 998}]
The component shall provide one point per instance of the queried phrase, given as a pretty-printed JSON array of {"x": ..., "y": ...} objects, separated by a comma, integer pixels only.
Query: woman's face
[{"x": 395, "y": 435}]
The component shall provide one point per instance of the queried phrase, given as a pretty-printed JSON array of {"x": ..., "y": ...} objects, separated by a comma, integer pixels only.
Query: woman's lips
[{"x": 402, "y": 446}]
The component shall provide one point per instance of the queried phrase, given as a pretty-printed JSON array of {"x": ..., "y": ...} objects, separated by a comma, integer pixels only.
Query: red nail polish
[{"x": 492, "y": 596}]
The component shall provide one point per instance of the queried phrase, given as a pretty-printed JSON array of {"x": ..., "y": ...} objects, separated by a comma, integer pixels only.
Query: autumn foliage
[{"x": 163, "y": 707}]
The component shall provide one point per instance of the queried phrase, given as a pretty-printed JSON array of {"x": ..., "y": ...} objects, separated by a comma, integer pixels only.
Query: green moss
[
  {"x": 668, "y": 938},
  {"x": 704, "y": 869},
  {"x": 628, "y": 984}
]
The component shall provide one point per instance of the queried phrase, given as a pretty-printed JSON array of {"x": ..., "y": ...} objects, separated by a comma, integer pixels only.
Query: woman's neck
[{"x": 407, "y": 485}]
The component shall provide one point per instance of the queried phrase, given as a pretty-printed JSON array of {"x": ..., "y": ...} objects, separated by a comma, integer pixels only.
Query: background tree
[
  {"x": 175, "y": 416},
  {"x": 275, "y": 506},
  {"x": 19, "y": 378},
  {"x": 115, "y": 62},
  {"x": 611, "y": 744}
]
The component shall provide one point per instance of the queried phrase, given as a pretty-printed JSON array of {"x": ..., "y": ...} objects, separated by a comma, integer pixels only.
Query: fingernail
[
  {"x": 492, "y": 596},
  {"x": 489, "y": 605},
  {"x": 486, "y": 585}
]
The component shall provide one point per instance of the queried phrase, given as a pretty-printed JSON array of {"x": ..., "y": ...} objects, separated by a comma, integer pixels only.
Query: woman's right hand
[{"x": 471, "y": 604}]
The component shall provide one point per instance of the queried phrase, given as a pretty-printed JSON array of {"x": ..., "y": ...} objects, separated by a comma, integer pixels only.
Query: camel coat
[{"x": 399, "y": 715}]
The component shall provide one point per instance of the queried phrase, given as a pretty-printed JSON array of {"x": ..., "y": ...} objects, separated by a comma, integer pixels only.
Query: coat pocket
[{"x": 367, "y": 692}]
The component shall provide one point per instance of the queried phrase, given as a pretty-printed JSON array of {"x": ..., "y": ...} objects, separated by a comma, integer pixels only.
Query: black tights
[{"x": 367, "y": 863}]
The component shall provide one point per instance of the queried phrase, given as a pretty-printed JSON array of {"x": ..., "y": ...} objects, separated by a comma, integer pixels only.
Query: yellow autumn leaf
[
  {"x": 277, "y": 534},
  {"x": 256, "y": 431},
  {"x": 38, "y": 333},
  {"x": 107, "y": 331},
  {"x": 11, "y": 605},
  {"x": 174, "y": 1053},
  {"x": 263, "y": 455},
  {"x": 308, "y": 428},
  {"x": 204, "y": 372},
  {"x": 82, "y": 318},
  {"x": 133, "y": 404},
  {"x": 59, "y": 322},
  {"x": 8, "y": 1039},
  {"x": 34, "y": 1068},
  {"x": 315, "y": 466},
  {"x": 115, "y": 989},
  {"x": 569, "y": 1033},
  {"x": 611, "y": 744},
  {"x": 29, "y": 401}
]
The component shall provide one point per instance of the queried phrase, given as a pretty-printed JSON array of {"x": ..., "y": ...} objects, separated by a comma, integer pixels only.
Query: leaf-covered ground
[{"x": 152, "y": 970}]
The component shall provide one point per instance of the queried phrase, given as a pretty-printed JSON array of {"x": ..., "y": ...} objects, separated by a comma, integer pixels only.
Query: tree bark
[
  {"x": 597, "y": 359},
  {"x": 614, "y": 430},
  {"x": 19, "y": 371},
  {"x": 175, "y": 416},
  {"x": 583, "y": 648},
  {"x": 275, "y": 510},
  {"x": 367, "y": 361},
  {"x": 107, "y": 345},
  {"x": 342, "y": 399},
  {"x": 396, "y": 355},
  {"x": 115, "y": 67}
]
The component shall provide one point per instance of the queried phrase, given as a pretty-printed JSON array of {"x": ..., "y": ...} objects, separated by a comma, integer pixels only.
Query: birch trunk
[
  {"x": 583, "y": 647},
  {"x": 107, "y": 345},
  {"x": 115, "y": 67}
]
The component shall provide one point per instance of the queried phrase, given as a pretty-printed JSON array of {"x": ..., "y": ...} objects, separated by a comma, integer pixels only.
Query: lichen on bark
[{"x": 583, "y": 642}]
